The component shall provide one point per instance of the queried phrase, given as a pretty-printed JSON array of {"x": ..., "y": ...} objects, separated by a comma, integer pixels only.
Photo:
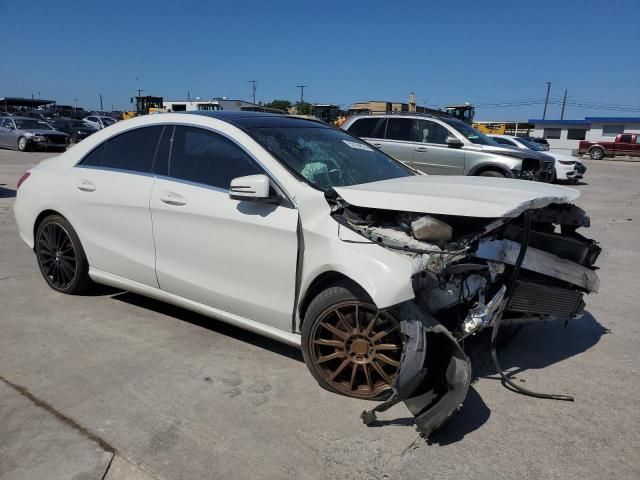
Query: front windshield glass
[
  {"x": 471, "y": 134},
  {"x": 326, "y": 157},
  {"x": 29, "y": 124},
  {"x": 531, "y": 145},
  {"x": 108, "y": 121}
]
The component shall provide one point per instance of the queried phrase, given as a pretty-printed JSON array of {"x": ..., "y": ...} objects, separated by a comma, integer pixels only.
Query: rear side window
[
  {"x": 363, "y": 127},
  {"x": 402, "y": 129},
  {"x": 202, "y": 156},
  {"x": 133, "y": 151},
  {"x": 625, "y": 138}
]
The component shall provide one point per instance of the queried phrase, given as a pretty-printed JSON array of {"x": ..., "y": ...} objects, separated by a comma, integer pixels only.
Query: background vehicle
[
  {"x": 439, "y": 145},
  {"x": 24, "y": 133},
  {"x": 218, "y": 183},
  {"x": 99, "y": 121},
  {"x": 76, "y": 129},
  {"x": 145, "y": 105},
  {"x": 567, "y": 167},
  {"x": 625, "y": 144},
  {"x": 539, "y": 141}
]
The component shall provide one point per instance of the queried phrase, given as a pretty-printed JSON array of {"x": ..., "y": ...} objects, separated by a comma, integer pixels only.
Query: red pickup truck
[{"x": 625, "y": 144}]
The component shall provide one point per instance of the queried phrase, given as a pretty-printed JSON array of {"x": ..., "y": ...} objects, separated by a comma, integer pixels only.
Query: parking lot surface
[{"x": 118, "y": 382}]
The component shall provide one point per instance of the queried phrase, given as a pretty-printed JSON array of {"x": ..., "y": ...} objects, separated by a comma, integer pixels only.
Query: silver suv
[{"x": 446, "y": 146}]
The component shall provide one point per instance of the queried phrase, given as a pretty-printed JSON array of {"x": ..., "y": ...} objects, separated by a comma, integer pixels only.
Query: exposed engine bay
[{"x": 468, "y": 273}]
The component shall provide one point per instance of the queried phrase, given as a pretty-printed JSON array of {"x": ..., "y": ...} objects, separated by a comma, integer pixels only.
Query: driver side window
[
  {"x": 202, "y": 156},
  {"x": 432, "y": 132}
]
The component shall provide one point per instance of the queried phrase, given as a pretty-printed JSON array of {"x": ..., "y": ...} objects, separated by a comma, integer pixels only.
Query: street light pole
[
  {"x": 546, "y": 100},
  {"x": 301, "y": 87}
]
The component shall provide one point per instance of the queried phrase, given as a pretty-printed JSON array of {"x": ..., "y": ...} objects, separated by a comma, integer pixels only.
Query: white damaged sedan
[{"x": 300, "y": 232}]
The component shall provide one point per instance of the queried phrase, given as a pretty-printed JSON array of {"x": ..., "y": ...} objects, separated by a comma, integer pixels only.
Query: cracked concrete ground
[{"x": 181, "y": 396}]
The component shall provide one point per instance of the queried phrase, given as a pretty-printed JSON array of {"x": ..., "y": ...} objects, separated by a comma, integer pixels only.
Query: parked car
[
  {"x": 625, "y": 144},
  {"x": 447, "y": 146},
  {"x": 76, "y": 129},
  {"x": 567, "y": 167},
  {"x": 540, "y": 141},
  {"x": 25, "y": 133},
  {"x": 99, "y": 121},
  {"x": 303, "y": 233}
]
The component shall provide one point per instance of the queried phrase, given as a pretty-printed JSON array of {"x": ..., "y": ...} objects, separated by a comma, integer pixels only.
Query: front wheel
[
  {"x": 596, "y": 154},
  {"x": 23, "y": 144},
  {"x": 350, "y": 347},
  {"x": 60, "y": 255}
]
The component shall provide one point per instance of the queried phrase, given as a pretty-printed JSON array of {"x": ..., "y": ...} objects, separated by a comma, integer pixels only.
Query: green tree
[
  {"x": 280, "y": 105},
  {"x": 303, "y": 108}
]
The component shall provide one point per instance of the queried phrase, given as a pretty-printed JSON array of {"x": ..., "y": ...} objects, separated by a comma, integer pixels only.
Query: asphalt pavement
[{"x": 118, "y": 386}]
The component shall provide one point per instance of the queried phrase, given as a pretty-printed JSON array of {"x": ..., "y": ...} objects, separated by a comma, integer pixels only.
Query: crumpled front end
[{"x": 467, "y": 272}]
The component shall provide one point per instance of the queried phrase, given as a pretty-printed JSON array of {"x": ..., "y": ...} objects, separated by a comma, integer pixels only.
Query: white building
[
  {"x": 215, "y": 104},
  {"x": 565, "y": 135}
]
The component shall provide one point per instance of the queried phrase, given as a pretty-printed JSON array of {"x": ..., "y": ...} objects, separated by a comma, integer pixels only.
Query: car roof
[
  {"x": 258, "y": 119},
  {"x": 28, "y": 118}
]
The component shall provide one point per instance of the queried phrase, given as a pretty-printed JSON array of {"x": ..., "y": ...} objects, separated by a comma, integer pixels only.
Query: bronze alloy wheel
[{"x": 356, "y": 348}]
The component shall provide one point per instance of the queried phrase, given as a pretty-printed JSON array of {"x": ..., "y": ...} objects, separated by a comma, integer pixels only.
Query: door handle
[
  {"x": 174, "y": 199},
  {"x": 86, "y": 186},
  {"x": 377, "y": 145},
  {"x": 421, "y": 149}
]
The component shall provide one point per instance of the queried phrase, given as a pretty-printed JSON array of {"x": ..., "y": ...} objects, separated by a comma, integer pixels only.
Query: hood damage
[{"x": 470, "y": 273}]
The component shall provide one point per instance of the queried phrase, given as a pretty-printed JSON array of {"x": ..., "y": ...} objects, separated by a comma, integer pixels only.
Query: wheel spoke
[
  {"x": 329, "y": 343},
  {"x": 388, "y": 360},
  {"x": 367, "y": 331},
  {"x": 385, "y": 376},
  {"x": 382, "y": 334},
  {"x": 331, "y": 356},
  {"x": 367, "y": 376},
  {"x": 387, "y": 346},
  {"x": 337, "y": 371},
  {"x": 336, "y": 331},
  {"x": 357, "y": 318},
  {"x": 354, "y": 370},
  {"x": 343, "y": 320}
]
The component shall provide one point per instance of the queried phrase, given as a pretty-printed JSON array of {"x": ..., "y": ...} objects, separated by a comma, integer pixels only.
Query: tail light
[{"x": 24, "y": 176}]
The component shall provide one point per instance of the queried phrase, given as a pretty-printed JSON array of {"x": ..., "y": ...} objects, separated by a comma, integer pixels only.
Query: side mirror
[
  {"x": 454, "y": 142},
  {"x": 250, "y": 188}
]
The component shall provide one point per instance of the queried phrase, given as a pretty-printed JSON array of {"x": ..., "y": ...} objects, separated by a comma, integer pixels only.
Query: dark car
[
  {"x": 540, "y": 141},
  {"x": 24, "y": 133},
  {"x": 76, "y": 129}
]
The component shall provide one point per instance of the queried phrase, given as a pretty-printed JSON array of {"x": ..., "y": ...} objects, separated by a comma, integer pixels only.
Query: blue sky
[{"x": 445, "y": 52}]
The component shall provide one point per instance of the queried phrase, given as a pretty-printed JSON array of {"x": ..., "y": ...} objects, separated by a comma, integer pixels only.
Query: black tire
[
  {"x": 596, "y": 154},
  {"x": 74, "y": 138},
  {"x": 492, "y": 173},
  {"x": 23, "y": 144},
  {"x": 60, "y": 256},
  {"x": 346, "y": 295}
]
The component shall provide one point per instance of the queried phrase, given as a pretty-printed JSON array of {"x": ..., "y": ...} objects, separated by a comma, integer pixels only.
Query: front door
[
  {"x": 236, "y": 256},
  {"x": 432, "y": 154}
]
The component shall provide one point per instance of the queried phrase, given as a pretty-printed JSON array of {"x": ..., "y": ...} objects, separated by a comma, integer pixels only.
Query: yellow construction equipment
[{"x": 145, "y": 105}]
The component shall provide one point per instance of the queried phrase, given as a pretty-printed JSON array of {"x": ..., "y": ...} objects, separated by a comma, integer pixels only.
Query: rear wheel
[
  {"x": 61, "y": 257},
  {"x": 596, "y": 154},
  {"x": 23, "y": 145},
  {"x": 492, "y": 173},
  {"x": 350, "y": 346}
]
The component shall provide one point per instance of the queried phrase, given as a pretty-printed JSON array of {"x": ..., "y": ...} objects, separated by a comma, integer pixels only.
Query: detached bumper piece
[
  {"x": 433, "y": 379},
  {"x": 534, "y": 298}
]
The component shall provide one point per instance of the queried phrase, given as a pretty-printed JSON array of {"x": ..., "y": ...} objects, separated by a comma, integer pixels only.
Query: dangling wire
[{"x": 524, "y": 243}]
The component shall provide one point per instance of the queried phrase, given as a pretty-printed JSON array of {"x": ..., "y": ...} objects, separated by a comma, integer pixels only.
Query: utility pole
[
  {"x": 546, "y": 100},
  {"x": 76, "y": 103},
  {"x": 253, "y": 89},
  {"x": 301, "y": 87},
  {"x": 101, "y": 108},
  {"x": 189, "y": 95},
  {"x": 139, "y": 90},
  {"x": 564, "y": 100}
]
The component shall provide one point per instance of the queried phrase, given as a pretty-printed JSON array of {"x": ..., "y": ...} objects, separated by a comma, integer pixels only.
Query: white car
[
  {"x": 305, "y": 234},
  {"x": 99, "y": 121},
  {"x": 568, "y": 167}
]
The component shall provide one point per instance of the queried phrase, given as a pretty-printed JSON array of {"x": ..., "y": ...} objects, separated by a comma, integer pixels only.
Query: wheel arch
[
  {"x": 323, "y": 281},
  {"x": 41, "y": 216},
  {"x": 483, "y": 167}
]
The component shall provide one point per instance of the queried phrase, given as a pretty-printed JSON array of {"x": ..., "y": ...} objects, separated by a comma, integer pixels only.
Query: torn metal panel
[{"x": 538, "y": 261}]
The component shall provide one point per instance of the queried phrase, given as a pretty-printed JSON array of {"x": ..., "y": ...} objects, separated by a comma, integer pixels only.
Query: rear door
[
  {"x": 399, "y": 139},
  {"x": 636, "y": 146},
  {"x": 107, "y": 201},
  {"x": 432, "y": 154},
  {"x": 625, "y": 146},
  {"x": 236, "y": 256}
]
